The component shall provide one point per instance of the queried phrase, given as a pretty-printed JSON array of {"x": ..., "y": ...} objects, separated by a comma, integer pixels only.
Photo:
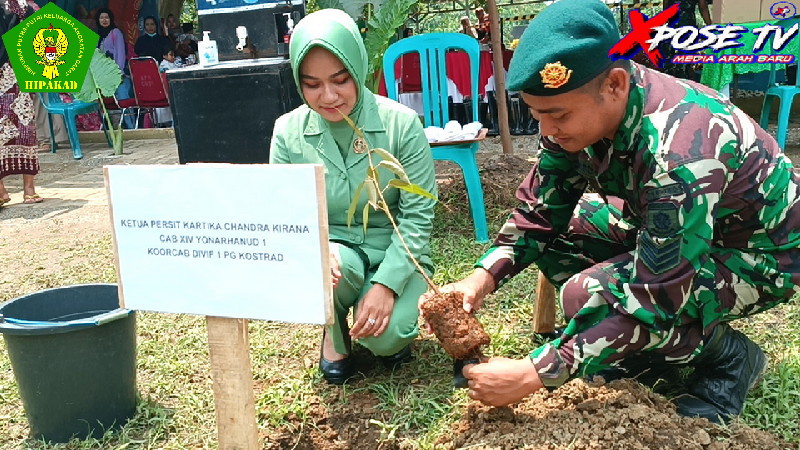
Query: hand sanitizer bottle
[{"x": 207, "y": 50}]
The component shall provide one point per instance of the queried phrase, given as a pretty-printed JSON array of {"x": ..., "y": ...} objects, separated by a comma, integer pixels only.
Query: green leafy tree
[
  {"x": 102, "y": 80},
  {"x": 383, "y": 18}
]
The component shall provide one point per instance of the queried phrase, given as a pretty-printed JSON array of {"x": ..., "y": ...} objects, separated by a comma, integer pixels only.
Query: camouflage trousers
[{"x": 596, "y": 255}]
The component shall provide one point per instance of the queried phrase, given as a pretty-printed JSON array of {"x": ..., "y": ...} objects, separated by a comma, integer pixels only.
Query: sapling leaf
[
  {"x": 395, "y": 169},
  {"x": 372, "y": 192},
  {"x": 351, "y": 211},
  {"x": 387, "y": 156},
  {"x": 412, "y": 188},
  {"x": 365, "y": 216}
]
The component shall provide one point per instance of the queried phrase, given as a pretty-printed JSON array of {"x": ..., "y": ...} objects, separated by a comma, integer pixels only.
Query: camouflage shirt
[{"x": 697, "y": 175}]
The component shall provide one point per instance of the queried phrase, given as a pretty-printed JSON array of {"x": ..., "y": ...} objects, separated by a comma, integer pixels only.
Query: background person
[
  {"x": 112, "y": 42},
  {"x": 695, "y": 222},
  {"x": 168, "y": 61},
  {"x": 372, "y": 274},
  {"x": 151, "y": 43},
  {"x": 172, "y": 28},
  {"x": 18, "y": 148},
  {"x": 467, "y": 28},
  {"x": 482, "y": 25},
  {"x": 686, "y": 17}
]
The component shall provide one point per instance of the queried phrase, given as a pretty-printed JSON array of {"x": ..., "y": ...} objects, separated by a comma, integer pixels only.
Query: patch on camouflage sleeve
[
  {"x": 662, "y": 219},
  {"x": 660, "y": 243},
  {"x": 659, "y": 254},
  {"x": 664, "y": 191}
]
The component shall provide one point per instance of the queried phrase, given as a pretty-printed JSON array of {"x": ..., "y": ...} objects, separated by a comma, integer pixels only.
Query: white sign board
[{"x": 239, "y": 241}]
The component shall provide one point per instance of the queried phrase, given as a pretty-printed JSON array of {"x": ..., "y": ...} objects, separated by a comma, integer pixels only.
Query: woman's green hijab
[{"x": 335, "y": 31}]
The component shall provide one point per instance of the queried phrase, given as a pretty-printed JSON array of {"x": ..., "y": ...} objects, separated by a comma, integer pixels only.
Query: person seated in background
[
  {"x": 112, "y": 43},
  {"x": 186, "y": 44},
  {"x": 169, "y": 60},
  {"x": 408, "y": 32},
  {"x": 482, "y": 28},
  {"x": 467, "y": 28},
  {"x": 151, "y": 43},
  {"x": 371, "y": 272},
  {"x": 172, "y": 29}
]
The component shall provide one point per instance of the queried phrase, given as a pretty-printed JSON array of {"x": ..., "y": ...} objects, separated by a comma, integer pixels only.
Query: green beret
[{"x": 564, "y": 47}]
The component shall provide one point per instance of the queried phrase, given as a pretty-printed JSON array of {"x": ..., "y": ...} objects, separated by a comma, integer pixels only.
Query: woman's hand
[
  {"x": 336, "y": 271},
  {"x": 374, "y": 312}
]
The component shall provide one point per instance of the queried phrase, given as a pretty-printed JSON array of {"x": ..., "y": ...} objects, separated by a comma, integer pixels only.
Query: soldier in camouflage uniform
[{"x": 693, "y": 220}]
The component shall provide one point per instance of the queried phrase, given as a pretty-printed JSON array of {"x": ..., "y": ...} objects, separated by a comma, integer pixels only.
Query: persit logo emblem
[
  {"x": 554, "y": 75},
  {"x": 50, "y": 50}
]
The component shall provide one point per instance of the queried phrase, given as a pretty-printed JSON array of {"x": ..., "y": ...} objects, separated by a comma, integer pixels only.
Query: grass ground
[{"x": 411, "y": 408}]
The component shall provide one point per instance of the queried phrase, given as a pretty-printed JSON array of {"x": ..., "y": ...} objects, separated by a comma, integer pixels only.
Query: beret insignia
[{"x": 555, "y": 75}]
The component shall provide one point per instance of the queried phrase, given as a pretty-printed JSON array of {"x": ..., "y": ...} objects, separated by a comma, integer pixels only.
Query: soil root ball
[{"x": 460, "y": 333}]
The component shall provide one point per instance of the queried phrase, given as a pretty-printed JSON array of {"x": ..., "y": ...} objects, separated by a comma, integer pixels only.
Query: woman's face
[
  {"x": 327, "y": 85},
  {"x": 104, "y": 20},
  {"x": 150, "y": 26},
  {"x": 171, "y": 22}
]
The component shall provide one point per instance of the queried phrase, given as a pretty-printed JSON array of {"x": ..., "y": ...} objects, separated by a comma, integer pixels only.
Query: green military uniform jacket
[{"x": 301, "y": 137}]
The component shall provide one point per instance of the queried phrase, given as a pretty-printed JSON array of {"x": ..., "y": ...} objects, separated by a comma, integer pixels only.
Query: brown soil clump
[
  {"x": 581, "y": 416},
  {"x": 460, "y": 333}
]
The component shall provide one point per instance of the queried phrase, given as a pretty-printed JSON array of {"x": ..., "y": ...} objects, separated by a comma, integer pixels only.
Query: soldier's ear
[{"x": 617, "y": 83}]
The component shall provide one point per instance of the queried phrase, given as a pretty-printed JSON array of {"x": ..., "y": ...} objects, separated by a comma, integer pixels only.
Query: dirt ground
[{"x": 619, "y": 415}]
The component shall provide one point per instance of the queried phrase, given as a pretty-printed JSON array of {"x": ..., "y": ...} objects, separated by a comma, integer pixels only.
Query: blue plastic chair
[
  {"x": 784, "y": 93},
  {"x": 432, "y": 48},
  {"x": 54, "y": 105}
]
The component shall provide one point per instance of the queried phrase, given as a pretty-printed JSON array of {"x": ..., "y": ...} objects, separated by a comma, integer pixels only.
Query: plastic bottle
[
  {"x": 290, "y": 26},
  {"x": 207, "y": 50}
]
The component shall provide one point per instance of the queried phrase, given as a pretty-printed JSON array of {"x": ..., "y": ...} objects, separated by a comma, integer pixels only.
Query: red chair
[
  {"x": 124, "y": 106},
  {"x": 148, "y": 85}
]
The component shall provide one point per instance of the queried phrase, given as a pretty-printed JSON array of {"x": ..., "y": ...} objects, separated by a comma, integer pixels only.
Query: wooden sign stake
[
  {"x": 232, "y": 377},
  {"x": 544, "y": 312}
]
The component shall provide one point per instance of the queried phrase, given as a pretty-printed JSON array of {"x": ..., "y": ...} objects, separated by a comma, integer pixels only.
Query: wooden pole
[
  {"x": 544, "y": 311},
  {"x": 499, "y": 77},
  {"x": 232, "y": 376}
]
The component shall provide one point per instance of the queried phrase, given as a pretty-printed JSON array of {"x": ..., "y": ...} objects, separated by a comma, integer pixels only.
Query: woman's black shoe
[
  {"x": 335, "y": 372},
  {"x": 392, "y": 362}
]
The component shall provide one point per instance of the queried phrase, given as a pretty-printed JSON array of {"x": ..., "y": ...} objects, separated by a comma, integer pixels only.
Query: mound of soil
[{"x": 620, "y": 415}]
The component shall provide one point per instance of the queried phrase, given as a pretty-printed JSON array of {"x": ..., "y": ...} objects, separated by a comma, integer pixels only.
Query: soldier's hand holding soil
[
  {"x": 502, "y": 381},
  {"x": 474, "y": 288}
]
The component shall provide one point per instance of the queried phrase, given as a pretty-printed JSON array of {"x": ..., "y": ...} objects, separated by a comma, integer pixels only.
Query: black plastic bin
[
  {"x": 226, "y": 112},
  {"x": 73, "y": 352}
]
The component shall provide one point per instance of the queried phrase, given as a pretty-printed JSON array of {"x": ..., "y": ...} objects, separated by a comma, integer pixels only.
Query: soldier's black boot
[
  {"x": 459, "y": 380},
  {"x": 515, "y": 116},
  {"x": 494, "y": 129},
  {"x": 467, "y": 111},
  {"x": 483, "y": 115},
  {"x": 455, "y": 110},
  {"x": 729, "y": 365},
  {"x": 529, "y": 124}
]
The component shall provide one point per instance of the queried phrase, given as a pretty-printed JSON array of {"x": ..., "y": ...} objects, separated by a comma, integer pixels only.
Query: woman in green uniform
[{"x": 372, "y": 274}]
